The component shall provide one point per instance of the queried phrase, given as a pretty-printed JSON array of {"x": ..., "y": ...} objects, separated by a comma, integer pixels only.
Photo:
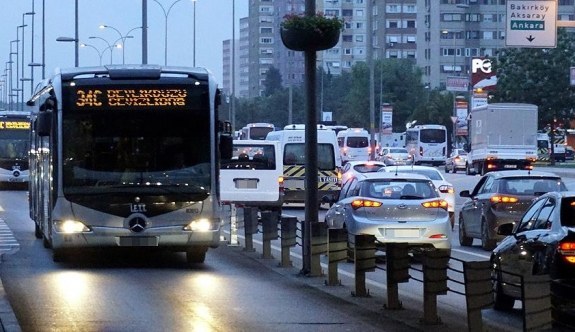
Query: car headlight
[
  {"x": 70, "y": 226},
  {"x": 200, "y": 225}
]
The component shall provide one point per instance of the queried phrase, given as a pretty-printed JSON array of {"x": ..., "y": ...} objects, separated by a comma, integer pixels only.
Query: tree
[
  {"x": 272, "y": 81},
  {"x": 540, "y": 77}
]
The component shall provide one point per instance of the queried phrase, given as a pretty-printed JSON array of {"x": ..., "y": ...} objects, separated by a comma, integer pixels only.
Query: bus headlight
[
  {"x": 70, "y": 226},
  {"x": 200, "y": 225}
]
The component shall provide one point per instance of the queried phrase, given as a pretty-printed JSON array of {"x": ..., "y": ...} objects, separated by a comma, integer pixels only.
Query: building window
[
  {"x": 392, "y": 9},
  {"x": 347, "y": 38},
  {"x": 347, "y": 51},
  {"x": 392, "y": 24},
  {"x": 266, "y": 30},
  {"x": 266, "y": 40},
  {"x": 359, "y": 38},
  {"x": 346, "y": 12},
  {"x": 410, "y": 24}
]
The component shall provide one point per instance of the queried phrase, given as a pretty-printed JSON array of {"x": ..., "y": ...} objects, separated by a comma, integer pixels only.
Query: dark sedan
[
  {"x": 501, "y": 197},
  {"x": 541, "y": 242}
]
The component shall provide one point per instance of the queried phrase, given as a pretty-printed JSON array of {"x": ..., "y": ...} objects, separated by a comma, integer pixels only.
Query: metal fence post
[
  {"x": 478, "y": 292},
  {"x": 397, "y": 256},
  {"x": 434, "y": 282},
  {"x": 364, "y": 257},
  {"x": 318, "y": 247},
  {"x": 288, "y": 238},
  {"x": 337, "y": 252},
  {"x": 269, "y": 232},
  {"x": 250, "y": 226}
]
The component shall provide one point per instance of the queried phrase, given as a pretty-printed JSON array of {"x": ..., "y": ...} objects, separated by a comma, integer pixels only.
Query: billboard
[
  {"x": 386, "y": 126},
  {"x": 457, "y": 83},
  {"x": 461, "y": 123}
]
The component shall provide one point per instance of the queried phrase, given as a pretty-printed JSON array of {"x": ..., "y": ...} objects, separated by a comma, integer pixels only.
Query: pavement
[{"x": 8, "y": 245}]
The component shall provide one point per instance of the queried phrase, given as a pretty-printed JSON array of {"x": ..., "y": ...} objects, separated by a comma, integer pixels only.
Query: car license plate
[
  {"x": 509, "y": 166},
  {"x": 289, "y": 183},
  {"x": 401, "y": 232},
  {"x": 246, "y": 183},
  {"x": 138, "y": 241}
]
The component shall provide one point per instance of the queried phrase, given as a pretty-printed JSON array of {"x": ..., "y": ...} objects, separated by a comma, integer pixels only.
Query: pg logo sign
[
  {"x": 480, "y": 65},
  {"x": 482, "y": 74}
]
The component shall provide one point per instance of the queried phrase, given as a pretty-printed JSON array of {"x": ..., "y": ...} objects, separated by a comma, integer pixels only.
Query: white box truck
[{"x": 502, "y": 136}]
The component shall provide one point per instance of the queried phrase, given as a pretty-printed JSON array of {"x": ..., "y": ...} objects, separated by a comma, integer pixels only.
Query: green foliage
[
  {"x": 272, "y": 81},
  {"x": 539, "y": 76},
  {"x": 318, "y": 22}
]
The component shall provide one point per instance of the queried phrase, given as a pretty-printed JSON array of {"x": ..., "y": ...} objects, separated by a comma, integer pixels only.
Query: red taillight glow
[
  {"x": 438, "y": 203},
  {"x": 438, "y": 236},
  {"x": 567, "y": 249},
  {"x": 359, "y": 203},
  {"x": 503, "y": 199},
  {"x": 281, "y": 183}
]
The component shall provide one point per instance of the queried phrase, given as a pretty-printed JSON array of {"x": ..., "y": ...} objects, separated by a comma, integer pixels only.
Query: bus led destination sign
[
  {"x": 14, "y": 125},
  {"x": 130, "y": 98}
]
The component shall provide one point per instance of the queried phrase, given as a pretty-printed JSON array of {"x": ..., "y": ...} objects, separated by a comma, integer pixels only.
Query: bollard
[
  {"x": 269, "y": 232},
  {"x": 250, "y": 226},
  {"x": 337, "y": 252},
  {"x": 364, "y": 257},
  {"x": 288, "y": 238},
  {"x": 397, "y": 256},
  {"x": 434, "y": 282},
  {"x": 318, "y": 247},
  {"x": 478, "y": 292},
  {"x": 536, "y": 302}
]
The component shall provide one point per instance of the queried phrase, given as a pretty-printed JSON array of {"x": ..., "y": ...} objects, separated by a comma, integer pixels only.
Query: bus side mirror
[{"x": 44, "y": 123}]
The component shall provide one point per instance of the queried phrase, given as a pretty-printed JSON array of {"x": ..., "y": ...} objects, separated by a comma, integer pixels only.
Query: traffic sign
[{"x": 531, "y": 23}]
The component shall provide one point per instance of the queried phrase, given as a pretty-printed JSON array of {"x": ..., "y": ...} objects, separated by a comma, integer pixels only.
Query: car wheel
[
  {"x": 464, "y": 240},
  {"x": 487, "y": 243},
  {"x": 452, "y": 220},
  {"x": 37, "y": 231},
  {"x": 467, "y": 170},
  {"x": 501, "y": 301},
  {"x": 445, "y": 169},
  {"x": 454, "y": 170},
  {"x": 196, "y": 255}
]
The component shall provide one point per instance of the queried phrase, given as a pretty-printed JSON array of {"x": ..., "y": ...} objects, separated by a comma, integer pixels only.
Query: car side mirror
[
  {"x": 464, "y": 193},
  {"x": 505, "y": 229},
  {"x": 329, "y": 199}
]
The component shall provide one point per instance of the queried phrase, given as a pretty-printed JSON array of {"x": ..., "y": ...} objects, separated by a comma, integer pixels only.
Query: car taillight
[
  {"x": 446, "y": 189},
  {"x": 567, "y": 250},
  {"x": 503, "y": 199},
  {"x": 456, "y": 159},
  {"x": 281, "y": 183},
  {"x": 359, "y": 203},
  {"x": 438, "y": 203}
]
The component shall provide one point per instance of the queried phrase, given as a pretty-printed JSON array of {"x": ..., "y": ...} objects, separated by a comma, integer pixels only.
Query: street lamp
[
  {"x": 194, "y": 36},
  {"x": 110, "y": 46},
  {"x": 20, "y": 98},
  {"x": 166, "y": 14},
  {"x": 100, "y": 53},
  {"x": 122, "y": 37},
  {"x": 68, "y": 40}
]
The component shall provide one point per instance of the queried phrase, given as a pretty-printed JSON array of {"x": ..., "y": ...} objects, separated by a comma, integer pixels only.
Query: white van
[
  {"x": 292, "y": 142},
  {"x": 253, "y": 177},
  {"x": 354, "y": 144}
]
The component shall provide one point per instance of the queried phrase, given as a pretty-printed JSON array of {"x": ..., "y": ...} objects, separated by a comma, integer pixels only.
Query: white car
[
  {"x": 355, "y": 168},
  {"x": 394, "y": 207},
  {"x": 445, "y": 188}
]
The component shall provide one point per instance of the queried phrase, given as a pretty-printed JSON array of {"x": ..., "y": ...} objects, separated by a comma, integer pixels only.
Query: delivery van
[{"x": 292, "y": 143}]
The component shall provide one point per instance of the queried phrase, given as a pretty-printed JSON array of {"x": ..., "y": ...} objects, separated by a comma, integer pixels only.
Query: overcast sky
[{"x": 213, "y": 25}]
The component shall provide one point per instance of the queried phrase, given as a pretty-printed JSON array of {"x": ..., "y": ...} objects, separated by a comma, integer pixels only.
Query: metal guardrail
[{"x": 441, "y": 273}]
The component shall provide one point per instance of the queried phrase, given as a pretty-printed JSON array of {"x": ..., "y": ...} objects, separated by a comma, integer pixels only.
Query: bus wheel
[
  {"x": 37, "y": 231},
  {"x": 59, "y": 255},
  {"x": 196, "y": 255}
]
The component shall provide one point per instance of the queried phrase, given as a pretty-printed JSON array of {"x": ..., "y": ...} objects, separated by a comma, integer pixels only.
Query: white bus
[
  {"x": 14, "y": 147},
  {"x": 127, "y": 156},
  {"x": 257, "y": 131},
  {"x": 427, "y": 144}
]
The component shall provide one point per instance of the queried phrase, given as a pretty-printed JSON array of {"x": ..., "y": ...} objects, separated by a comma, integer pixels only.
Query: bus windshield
[
  {"x": 14, "y": 144},
  {"x": 432, "y": 136},
  {"x": 104, "y": 150}
]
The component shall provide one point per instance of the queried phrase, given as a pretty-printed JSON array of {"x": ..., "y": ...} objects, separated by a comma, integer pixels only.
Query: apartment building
[{"x": 441, "y": 36}]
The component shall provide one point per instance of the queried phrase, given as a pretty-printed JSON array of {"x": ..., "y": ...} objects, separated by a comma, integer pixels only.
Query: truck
[{"x": 502, "y": 136}]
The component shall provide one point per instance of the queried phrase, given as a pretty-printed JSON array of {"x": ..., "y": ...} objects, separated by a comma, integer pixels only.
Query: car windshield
[
  {"x": 367, "y": 168},
  {"x": 530, "y": 185},
  {"x": 398, "y": 151},
  {"x": 398, "y": 189}
]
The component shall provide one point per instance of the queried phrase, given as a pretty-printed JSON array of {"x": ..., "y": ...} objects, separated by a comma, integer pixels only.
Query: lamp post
[
  {"x": 100, "y": 53},
  {"x": 23, "y": 57},
  {"x": 194, "y": 36},
  {"x": 68, "y": 40},
  {"x": 166, "y": 14},
  {"x": 20, "y": 88},
  {"x": 110, "y": 46},
  {"x": 122, "y": 38}
]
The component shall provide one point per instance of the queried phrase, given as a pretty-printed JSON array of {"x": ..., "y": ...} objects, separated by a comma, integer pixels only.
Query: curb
[{"x": 8, "y": 321}]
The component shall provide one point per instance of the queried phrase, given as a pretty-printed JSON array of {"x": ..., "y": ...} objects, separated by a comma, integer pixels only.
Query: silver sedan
[{"x": 394, "y": 207}]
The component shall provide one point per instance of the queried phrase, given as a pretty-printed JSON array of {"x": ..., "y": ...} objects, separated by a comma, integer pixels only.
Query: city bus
[
  {"x": 427, "y": 144},
  {"x": 14, "y": 147},
  {"x": 256, "y": 131},
  {"x": 127, "y": 156}
]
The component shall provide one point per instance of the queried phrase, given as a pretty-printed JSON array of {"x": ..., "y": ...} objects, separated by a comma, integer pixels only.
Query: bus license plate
[
  {"x": 509, "y": 166},
  {"x": 138, "y": 241}
]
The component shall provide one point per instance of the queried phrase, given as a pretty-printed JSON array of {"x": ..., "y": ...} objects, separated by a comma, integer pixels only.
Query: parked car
[
  {"x": 541, "y": 242},
  {"x": 445, "y": 188},
  {"x": 394, "y": 207},
  {"x": 501, "y": 197},
  {"x": 457, "y": 160},
  {"x": 395, "y": 156},
  {"x": 355, "y": 168}
]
